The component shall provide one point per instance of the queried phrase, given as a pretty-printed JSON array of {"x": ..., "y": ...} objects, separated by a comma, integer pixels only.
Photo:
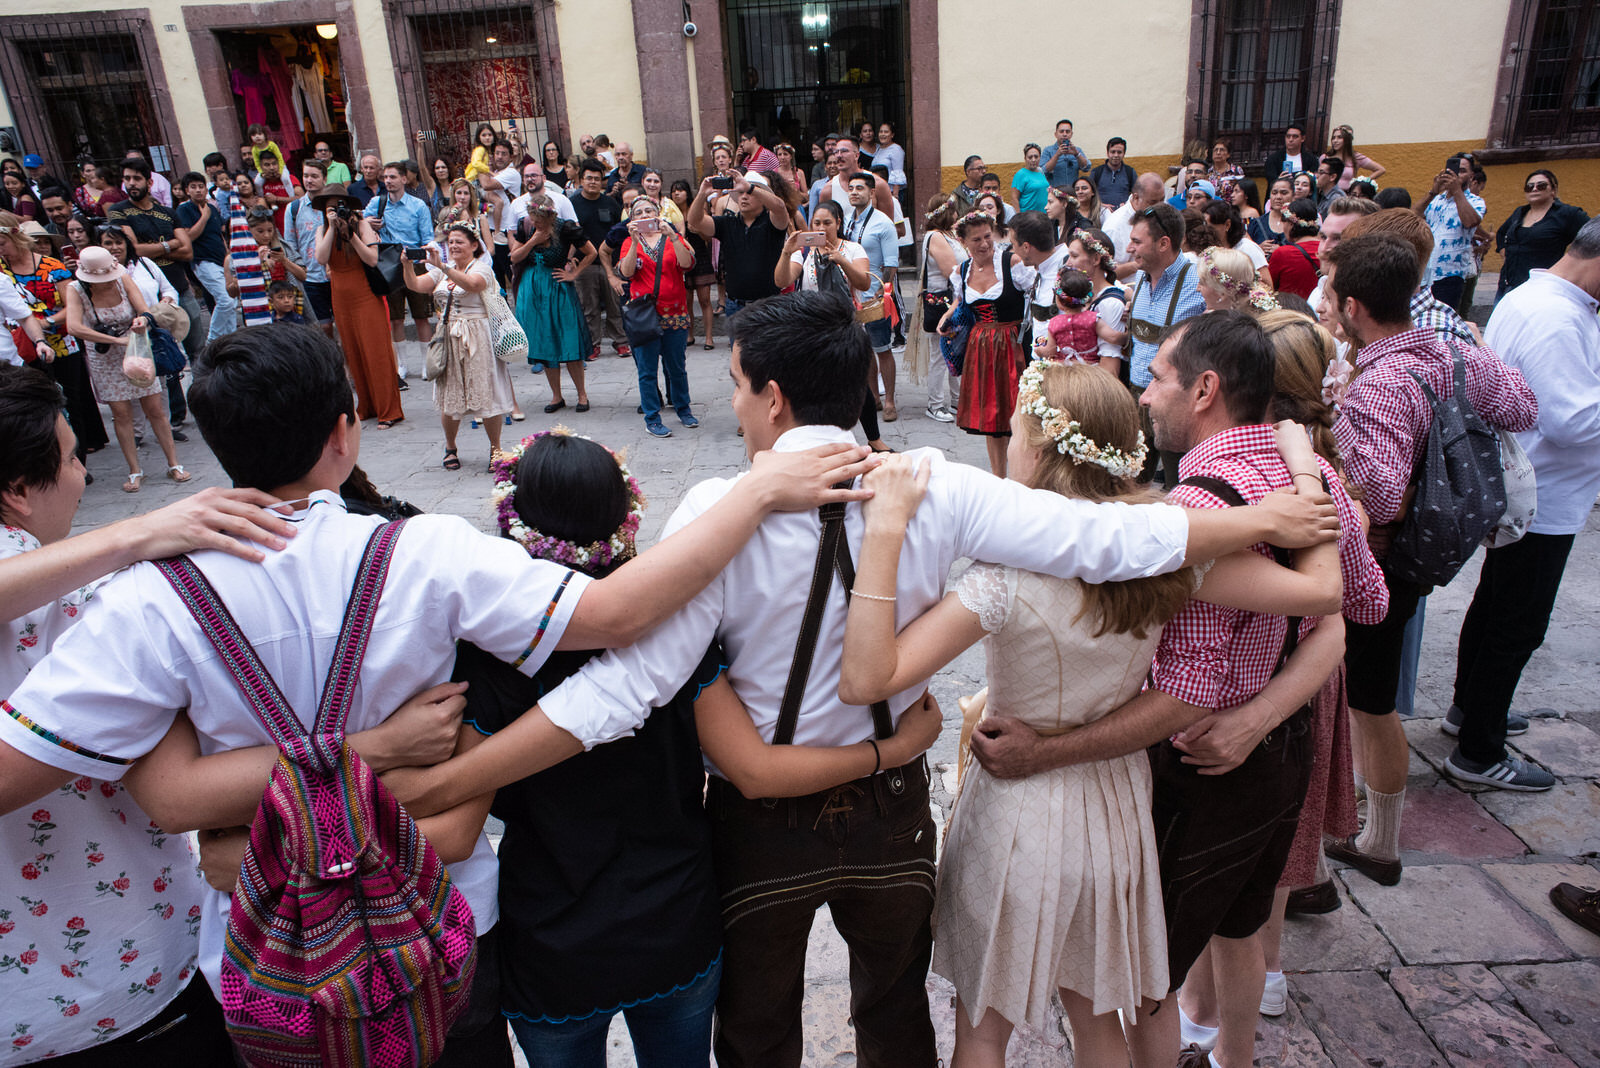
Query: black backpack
[{"x": 1460, "y": 489}]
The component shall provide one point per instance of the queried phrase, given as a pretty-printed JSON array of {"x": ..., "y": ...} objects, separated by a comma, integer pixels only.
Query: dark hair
[
  {"x": 810, "y": 344},
  {"x": 267, "y": 397},
  {"x": 283, "y": 285},
  {"x": 1396, "y": 196},
  {"x": 1294, "y": 302},
  {"x": 1454, "y": 162},
  {"x": 1220, "y": 211},
  {"x": 832, "y": 209},
  {"x": 987, "y": 175},
  {"x": 116, "y": 234},
  {"x": 893, "y": 130},
  {"x": 1073, "y": 285},
  {"x": 1197, "y": 236},
  {"x": 1295, "y": 126},
  {"x": 865, "y": 176},
  {"x": 1069, "y": 122},
  {"x": 315, "y": 164},
  {"x": 1162, "y": 220},
  {"x": 1232, "y": 344},
  {"x": 501, "y": 142},
  {"x": 561, "y": 157},
  {"x": 881, "y": 170},
  {"x": 680, "y": 184},
  {"x": 1116, "y": 141},
  {"x": 56, "y": 191},
  {"x": 1099, "y": 237},
  {"x": 30, "y": 454},
  {"x": 214, "y": 159},
  {"x": 1378, "y": 269},
  {"x": 192, "y": 176},
  {"x": 1252, "y": 192},
  {"x": 970, "y": 160},
  {"x": 139, "y": 165},
  {"x": 1305, "y": 222},
  {"x": 409, "y": 166},
  {"x": 749, "y": 134},
  {"x": 589, "y": 163},
  {"x": 1333, "y": 163},
  {"x": 477, "y": 135},
  {"x": 1035, "y": 228},
  {"x": 1555, "y": 186},
  {"x": 1031, "y": 145},
  {"x": 396, "y": 165},
  {"x": 256, "y": 128},
  {"x": 570, "y": 488}
]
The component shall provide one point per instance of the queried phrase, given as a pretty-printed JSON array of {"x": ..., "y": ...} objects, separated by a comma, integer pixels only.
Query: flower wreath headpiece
[
  {"x": 1222, "y": 281},
  {"x": 1087, "y": 240},
  {"x": 1068, "y": 433},
  {"x": 949, "y": 202},
  {"x": 976, "y": 217},
  {"x": 613, "y": 550}
]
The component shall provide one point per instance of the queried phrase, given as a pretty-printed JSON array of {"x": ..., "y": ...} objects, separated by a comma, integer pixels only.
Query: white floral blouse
[{"x": 99, "y": 908}]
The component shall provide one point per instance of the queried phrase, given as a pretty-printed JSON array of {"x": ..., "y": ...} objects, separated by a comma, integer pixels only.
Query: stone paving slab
[
  {"x": 1346, "y": 939},
  {"x": 1530, "y": 884},
  {"x": 1568, "y": 749},
  {"x": 1288, "y": 1041},
  {"x": 1440, "y": 819},
  {"x": 1563, "y": 822},
  {"x": 1564, "y": 1000},
  {"x": 1473, "y": 1020},
  {"x": 1362, "y": 1022},
  {"x": 1450, "y": 913},
  {"x": 1429, "y": 743}
]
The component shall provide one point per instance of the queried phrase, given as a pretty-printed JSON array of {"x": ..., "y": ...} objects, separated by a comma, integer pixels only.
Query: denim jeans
[
  {"x": 1405, "y": 698},
  {"x": 669, "y": 1031},
  {"x": 667, "y": 353},
  {"x": 225, "y": 316},
  {"x": 731, "y": 306}
]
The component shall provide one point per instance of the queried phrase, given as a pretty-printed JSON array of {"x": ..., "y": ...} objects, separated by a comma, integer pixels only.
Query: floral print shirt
[
  {"x": 1452, "y": 245},
  {"x": 99, "y": 907}
]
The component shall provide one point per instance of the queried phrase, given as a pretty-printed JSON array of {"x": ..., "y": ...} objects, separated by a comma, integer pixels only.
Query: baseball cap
[{"x": 32, "y": 159}]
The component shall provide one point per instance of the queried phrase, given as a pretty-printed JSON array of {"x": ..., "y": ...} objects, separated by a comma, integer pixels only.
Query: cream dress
[{"x": 1051, "y": 881}]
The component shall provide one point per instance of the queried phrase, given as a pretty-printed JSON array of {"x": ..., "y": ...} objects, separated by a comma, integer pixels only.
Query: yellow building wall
[
  {"x": 600, "y": 64},
  {"x": 1124, "y": 77}
]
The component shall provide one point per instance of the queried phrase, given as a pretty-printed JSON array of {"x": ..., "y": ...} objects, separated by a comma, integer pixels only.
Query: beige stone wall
[{"x": 600, "y": 62}]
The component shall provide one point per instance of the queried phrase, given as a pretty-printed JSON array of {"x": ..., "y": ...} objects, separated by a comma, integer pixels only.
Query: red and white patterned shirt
[
  {"x": 1384, "y": 421},
  {"x": 1216, "y": 657},
  {"x": 762, "y": 159}
]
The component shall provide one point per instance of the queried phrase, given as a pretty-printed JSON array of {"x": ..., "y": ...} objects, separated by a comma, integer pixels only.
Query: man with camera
[
  {"x": 1064, "y": 160},
  {"x": 752, "y": 241},
  {"x": 405, "y": 221},
  {"x": 597, "y": 214}
]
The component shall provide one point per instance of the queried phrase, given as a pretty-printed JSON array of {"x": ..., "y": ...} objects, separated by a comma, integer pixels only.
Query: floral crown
[
  {"x": 1222, "y": 281},
  {"x": 975, "y": 217},
  {"x": 1088, "y": 241},
  {"x": 1070, "y": 441},
  {"x": 949, "y": 202},
  {"x": 613, "y": 550}
]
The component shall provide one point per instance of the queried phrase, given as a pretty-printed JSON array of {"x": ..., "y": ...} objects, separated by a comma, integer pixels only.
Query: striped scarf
[{"x": 245, "y": 256}]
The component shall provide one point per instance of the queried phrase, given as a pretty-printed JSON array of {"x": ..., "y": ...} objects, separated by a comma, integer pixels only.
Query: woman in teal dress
[{"x": 547, "y": 255}]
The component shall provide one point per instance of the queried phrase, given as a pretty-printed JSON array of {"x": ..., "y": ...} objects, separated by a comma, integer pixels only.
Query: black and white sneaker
[
  {"x": 1508, "y": 773},
  {"x": 1451, "y": 724}
]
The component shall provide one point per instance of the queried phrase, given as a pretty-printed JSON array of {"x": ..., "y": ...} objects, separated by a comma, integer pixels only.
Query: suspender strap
[
  {"x": 318, "y": 749},
  {"x": 1224, "y": 491},
  {"x": 833, "y": 554},
  {"x": 1177, "y": 291}
]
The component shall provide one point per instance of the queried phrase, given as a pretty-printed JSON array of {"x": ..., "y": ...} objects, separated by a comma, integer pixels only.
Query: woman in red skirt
[{"x": 993, "y": 286}]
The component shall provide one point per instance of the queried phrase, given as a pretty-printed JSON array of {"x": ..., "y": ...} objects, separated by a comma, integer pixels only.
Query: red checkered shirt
[
  {"x": 1216, "y": 657},
  {"x": 1384, "y": 421}
]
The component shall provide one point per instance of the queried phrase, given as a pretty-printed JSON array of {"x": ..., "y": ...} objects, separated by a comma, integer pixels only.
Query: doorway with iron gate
[{"x": 800, "y": 70}]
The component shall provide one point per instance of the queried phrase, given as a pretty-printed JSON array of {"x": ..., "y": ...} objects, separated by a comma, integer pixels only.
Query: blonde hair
[
  {"x": 11, "y": 232},
  {"x": 1301, "y": 352},
  {"x": 1107, "y": 414},
  {"x": 1229, "y": 272}
]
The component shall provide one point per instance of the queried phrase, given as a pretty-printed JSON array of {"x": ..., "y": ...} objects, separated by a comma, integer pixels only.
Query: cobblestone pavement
[{"x": 1465, "y": 962}]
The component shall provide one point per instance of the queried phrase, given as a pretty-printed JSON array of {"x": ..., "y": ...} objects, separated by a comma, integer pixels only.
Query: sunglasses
[{"x": 1534, "y": 187}]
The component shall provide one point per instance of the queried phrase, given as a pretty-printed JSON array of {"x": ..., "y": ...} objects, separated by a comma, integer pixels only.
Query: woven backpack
[{"x": 347, "y": 943}]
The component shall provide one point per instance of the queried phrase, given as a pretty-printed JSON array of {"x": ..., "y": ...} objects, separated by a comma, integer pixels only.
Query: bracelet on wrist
[
  {"x": 877, "y": 756},
  {"x": 872, "y": 596}
]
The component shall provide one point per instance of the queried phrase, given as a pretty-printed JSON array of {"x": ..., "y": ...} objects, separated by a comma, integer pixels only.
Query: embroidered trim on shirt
[
  {"x": 544, "y": 622},
  {"x": 57, "y": 740}
]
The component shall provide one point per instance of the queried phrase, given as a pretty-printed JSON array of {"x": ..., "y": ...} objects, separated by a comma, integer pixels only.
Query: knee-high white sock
[
  {"x": 1381, "y": 836},
  {"x": 1321, "y": 874}
]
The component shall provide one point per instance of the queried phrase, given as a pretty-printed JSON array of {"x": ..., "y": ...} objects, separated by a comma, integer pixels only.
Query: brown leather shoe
[
  {"x": 1194, "y": 1057},
  {"x": 1382, "y": 872},
  {"x": 1580, "y": 904},
  {"x": 1313, "y": 900}
]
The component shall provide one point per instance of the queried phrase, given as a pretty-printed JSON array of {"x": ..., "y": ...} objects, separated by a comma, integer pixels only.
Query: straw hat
[
  {"x": 333, "y": 192},
  {"x": 33, "y": 229},
  {"x": 96, "y": 264}
]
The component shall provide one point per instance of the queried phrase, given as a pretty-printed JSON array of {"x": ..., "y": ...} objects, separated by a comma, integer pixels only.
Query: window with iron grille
[
  {"x": 1554, "y": 98},
  {"x": 1263, "y": 65}
]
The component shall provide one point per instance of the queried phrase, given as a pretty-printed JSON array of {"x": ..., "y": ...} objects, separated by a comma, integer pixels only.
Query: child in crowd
[
  {"x": 261, "y": 144},
  {"x": 282, "y": 296},
  {"x": 480, "y": 163},
  {"x": 1071, "y": 336}
]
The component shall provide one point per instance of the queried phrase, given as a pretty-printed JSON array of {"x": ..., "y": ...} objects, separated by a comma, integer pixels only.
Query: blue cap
[
  {"x": 32, "y": 159},
  {"x": 1205, "y": 187}
]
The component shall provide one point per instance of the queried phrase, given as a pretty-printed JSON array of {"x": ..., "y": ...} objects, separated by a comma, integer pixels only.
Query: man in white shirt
[
  {"x": 276, "y": 408},
  {"x": 1147, "y": 190},
  {"x": 873, "y": 230},
  {"x": 1032, "y": 242},
  {"x": 1547, "y": 329},
  {"x": 866, "y": 849},
  {"x": 533, "y": 185}
]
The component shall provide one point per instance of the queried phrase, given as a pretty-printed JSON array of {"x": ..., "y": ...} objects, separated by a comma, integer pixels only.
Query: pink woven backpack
[{"x": 347, "y": 943}]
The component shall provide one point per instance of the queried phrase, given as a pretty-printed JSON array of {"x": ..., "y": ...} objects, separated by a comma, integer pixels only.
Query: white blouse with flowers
[{"x": 99, "y": 908}]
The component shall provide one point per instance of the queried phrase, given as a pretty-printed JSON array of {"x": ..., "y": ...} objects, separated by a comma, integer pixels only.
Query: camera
[
  {"x": 720, "y": 182},
  {"x": 416, "y": 255},
  {"x": 690, "y": 29},
  {"x": 342, "y": 210}
]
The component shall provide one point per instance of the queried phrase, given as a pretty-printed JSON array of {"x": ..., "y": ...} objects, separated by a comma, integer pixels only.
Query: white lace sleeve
[{"x": 985, "y": 591}]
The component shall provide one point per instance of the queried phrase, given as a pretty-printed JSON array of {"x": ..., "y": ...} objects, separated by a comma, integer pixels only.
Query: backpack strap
[{"x": 260, "y": 690}]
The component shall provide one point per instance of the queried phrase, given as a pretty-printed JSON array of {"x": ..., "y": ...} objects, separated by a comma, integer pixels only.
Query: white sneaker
[
  {"x": 1275, "y": 997},
  {"x": 1194, "y": 1034},
  {"x": 402, "y": 372},
  {"x": 940, "y": 415}
]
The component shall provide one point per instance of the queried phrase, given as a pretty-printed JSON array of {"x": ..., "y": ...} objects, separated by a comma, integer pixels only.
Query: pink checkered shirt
[
  {"x": 1216, "y": 657},
  {"x": 1384, "y": 421}
]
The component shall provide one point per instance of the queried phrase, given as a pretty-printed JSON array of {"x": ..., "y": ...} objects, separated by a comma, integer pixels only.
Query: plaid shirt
[
  {"x": 1430, "y": 313},
  {"x": 1216, "y": 657},
  {"x": 1384, "y": 421}
]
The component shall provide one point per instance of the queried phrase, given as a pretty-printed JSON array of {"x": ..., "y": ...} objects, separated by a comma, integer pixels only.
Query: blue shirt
[
  {"x": 300, "y": 225},
  {"x": 407, "y": 223},
  {"x": 874, "y": 231},
  {"x": 1067, "y": 167},
  {"x": 1151, "y": 304},
  {"x": 1032, "y": 189}
]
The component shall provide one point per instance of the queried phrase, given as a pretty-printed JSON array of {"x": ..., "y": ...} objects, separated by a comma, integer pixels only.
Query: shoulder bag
[
  {"x": 641, "y": 321},
  {"x": 386, "y": 277}
]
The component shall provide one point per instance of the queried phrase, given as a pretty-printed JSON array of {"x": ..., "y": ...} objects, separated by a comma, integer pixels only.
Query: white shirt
[
  {"x": 1111, "y": 312},
  {"x": 1044, "y": 285},
  {"x": 510, "y": 181},
  {"x": 755, "y": 606},
  {"x": 558, "y": 200},
  {"x": 152, "y": 281},
  {"x": 138, "y": 650},
  {"x": 1118, "y": 227},
  {"x": 1258, "y": 258},
  {"x": 1547, "y": 329},
  {"x": 807, "y": 260},
  {"x": 14, "y": 306},
  {"x": 1022, "y": 276}
]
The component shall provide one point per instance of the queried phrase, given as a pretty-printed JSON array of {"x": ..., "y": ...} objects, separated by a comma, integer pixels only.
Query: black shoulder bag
[
  {"x": 386, "y": 277},
  {"x": 641, "y": 321}
]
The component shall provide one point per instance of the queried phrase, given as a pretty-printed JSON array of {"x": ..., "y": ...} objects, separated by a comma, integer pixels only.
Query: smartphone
[
  {"x": 416, "y": 255},
  {"x": 649, "y": 226},
  {"x": 720, "y": 182},
  {"x": 812, "y": 239}
]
